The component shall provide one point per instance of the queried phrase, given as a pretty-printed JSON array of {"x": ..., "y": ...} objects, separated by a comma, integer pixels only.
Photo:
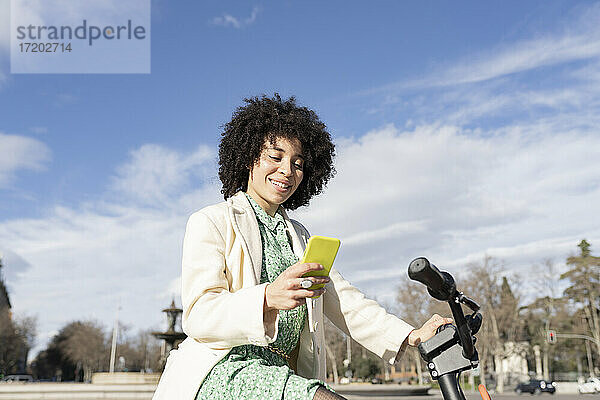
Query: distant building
[
  {"x": 5, "y": 307},
  {"x": 513, "y": 363},
  {"x": 6, "y": 322}
]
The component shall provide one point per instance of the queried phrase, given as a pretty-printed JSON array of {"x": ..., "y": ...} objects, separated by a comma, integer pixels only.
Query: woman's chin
[{"x": 279, "y": 198}]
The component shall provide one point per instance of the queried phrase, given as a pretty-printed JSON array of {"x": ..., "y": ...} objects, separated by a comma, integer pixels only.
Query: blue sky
[{"x": 462, "y": 130}]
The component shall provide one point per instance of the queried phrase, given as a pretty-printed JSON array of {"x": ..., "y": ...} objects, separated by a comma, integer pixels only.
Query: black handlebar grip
[{"x": 440, "y": 284}]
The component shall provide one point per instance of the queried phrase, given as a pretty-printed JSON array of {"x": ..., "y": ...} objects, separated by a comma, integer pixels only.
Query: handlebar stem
[
  {"x": 464, "y": 331},
  {"x": 449, "y": 387}
]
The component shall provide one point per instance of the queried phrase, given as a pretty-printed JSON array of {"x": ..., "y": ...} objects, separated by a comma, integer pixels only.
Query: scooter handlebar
[{"x": 440, "y": 284}]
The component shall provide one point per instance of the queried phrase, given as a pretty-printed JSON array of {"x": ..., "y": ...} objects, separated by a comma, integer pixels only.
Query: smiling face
[{"x": 276, "y": 174}]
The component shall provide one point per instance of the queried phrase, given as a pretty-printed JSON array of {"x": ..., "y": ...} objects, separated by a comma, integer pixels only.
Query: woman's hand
[
  {"x": 427, "y": 330},
  {"x": 285, "y": 292}
]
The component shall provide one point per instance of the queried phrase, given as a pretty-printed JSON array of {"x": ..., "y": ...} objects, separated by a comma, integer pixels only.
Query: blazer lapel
[
  {"x": 297, "y": 244},
  {"x": 244, "y": 219}
]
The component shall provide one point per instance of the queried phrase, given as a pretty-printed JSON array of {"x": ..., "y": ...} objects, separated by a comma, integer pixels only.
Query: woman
[{"x": 244, "y": 302}]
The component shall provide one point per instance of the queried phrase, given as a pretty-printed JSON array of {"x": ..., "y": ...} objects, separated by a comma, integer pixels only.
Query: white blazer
[{"x": 223, "y": 302}]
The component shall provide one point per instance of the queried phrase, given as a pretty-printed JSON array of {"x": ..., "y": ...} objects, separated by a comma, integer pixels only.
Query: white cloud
[
  {"x": 577, "y": 39},
  {"x": 228, "y": 20},
  {"x": 154, "y": 173},
  {"x": 17, "y": 265},
  {"x": 521, "y": 57},
  {"x": 395, "y": 229},
  {"x": 20, "y": 153}
]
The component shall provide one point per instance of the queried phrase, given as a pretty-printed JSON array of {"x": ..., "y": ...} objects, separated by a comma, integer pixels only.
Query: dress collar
[{"x": 268, "y": 221}]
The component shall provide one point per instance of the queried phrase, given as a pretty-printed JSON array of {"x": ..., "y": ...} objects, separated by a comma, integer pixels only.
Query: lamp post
[{"x": 113, "y": 347}]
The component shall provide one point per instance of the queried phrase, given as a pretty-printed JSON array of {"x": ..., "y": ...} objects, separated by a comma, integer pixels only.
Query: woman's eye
[
  {"x": 299, "y": 166},
  {"x": 275, "y": 158}
]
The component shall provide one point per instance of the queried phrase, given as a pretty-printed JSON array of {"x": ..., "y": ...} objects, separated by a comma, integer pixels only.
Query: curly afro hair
[{"x": 266, "y": 118}]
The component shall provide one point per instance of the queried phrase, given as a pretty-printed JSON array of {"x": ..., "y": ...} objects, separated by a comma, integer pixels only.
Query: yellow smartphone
[{"x": 322, "y": 250}]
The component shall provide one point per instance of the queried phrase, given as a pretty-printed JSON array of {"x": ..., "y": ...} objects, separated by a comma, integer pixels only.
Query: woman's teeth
[{"x": 281, "y": 185}]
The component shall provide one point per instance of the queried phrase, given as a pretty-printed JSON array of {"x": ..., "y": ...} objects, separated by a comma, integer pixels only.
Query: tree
[
  {"x": 558, "y": 314},
  {"x": 16, "y": 336},
  {"x": 365, "y": 367},
  {"x": 485, "y": 283},
  {"x": 141, "y": 351},
  {"x": 415, "y": 307},
  {"x": 550, "y": 310},
  {"x": 584, "y": 289},
  {"x": 79, "y": 349},
  {"x": 508, "y": 318},
  {"x": 11, "y": 345},
  {"x": 85, "y": 345},
  {"x": 52, "y": 364},
  {"x": 26, "y": 330},
  {"x": 335, "y": 348}
]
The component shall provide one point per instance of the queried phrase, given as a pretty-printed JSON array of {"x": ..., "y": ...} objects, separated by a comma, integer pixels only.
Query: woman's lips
[{"x": 280, "y": 186}]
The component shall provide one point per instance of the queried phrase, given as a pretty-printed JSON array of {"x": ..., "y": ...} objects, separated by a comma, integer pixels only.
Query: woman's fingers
[
  {"x": 428, "y": 329},
  {"x": 287, "y": 291},
  {"x": 304, "y": 293},
  {"x": 316, "y": 280},
  {"x": 300, "y": 269},
  {"x": 432, "y": 324},
  {"x": 437, "y": 320}
]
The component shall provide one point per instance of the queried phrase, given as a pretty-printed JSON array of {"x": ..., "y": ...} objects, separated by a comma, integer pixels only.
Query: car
[
  {"x": 536, "y": 386},
  {"x": 592, "y": 385},
  {"x": 17, "y": 378}
]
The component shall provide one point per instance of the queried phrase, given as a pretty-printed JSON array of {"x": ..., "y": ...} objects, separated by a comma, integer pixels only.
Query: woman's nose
[{"x": 285, "y": 168}]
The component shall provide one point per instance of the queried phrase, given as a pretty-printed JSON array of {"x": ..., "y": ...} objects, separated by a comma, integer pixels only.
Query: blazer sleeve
[
  {"x": 211, "y": 313},
  {"x": 364, "y": 320}
]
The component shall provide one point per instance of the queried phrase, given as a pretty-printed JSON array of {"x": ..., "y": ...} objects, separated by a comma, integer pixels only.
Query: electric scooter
[{"x": 452, "y": 349}]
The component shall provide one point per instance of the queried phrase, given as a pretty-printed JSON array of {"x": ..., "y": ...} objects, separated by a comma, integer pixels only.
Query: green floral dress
[{"x": 255, "y": 372}]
